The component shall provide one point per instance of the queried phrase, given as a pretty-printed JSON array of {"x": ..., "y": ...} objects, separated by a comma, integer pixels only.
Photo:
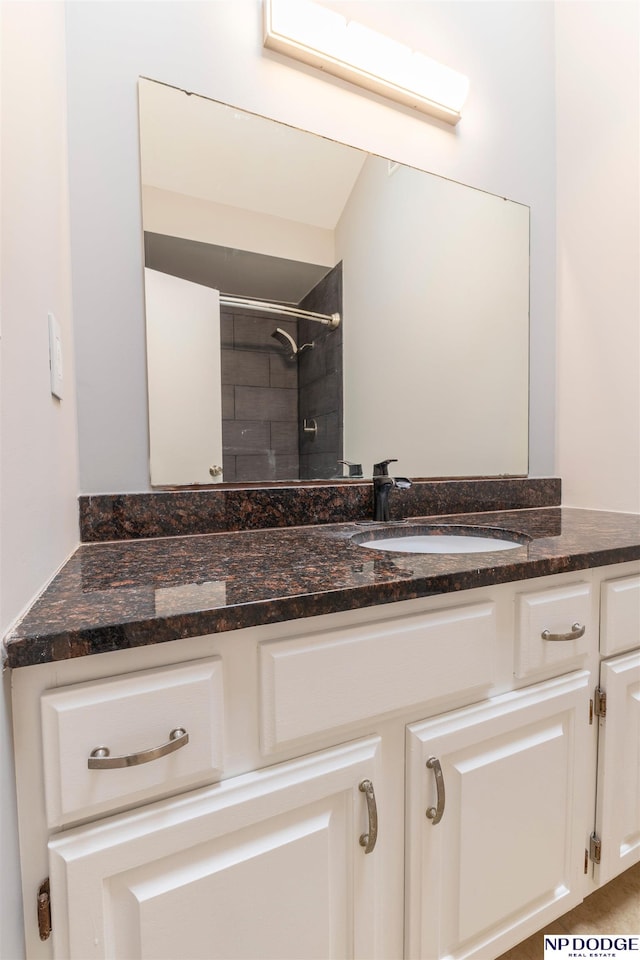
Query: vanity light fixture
[{"x": 317, "y": 36}]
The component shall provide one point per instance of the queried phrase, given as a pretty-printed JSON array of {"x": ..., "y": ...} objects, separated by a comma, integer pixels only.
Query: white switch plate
[{"x": 55, "y": 356}]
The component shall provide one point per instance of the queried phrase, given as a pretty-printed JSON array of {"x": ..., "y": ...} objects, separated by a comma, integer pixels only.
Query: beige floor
[{"x": 614, "y": 909}]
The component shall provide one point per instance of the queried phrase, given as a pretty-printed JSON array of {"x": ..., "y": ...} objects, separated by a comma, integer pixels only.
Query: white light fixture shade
[{"x": 317, "y": 36}]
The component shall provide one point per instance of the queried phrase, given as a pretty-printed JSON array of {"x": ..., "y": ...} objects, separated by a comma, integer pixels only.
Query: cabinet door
[
  {"x": 618, "y": 796},
  {"x": 266, "y": 865},
  {"x": 508, "y": 853}
]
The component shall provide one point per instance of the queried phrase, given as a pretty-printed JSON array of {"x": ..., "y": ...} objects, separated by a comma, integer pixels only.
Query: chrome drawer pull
[
  {"x": 100, "y": 758},
  {"x": 435, "y": 813},
  {"x": 368, "y": 840},
  {"x": 577, "y": 631}
]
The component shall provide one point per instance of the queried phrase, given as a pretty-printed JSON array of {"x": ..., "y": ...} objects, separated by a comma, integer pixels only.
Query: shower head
[{"x": 287, "y": 341}]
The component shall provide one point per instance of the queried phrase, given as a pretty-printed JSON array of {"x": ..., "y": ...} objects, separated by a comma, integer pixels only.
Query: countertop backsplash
[{"x": 168, "y": 513}]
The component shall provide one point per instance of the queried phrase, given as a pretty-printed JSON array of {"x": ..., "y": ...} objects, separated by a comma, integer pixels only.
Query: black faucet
[{"x": 383, "y": 484}]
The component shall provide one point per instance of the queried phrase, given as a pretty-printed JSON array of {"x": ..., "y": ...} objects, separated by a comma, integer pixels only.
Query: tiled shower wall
[
  {"x": 320, "y": 372},
  {"x": 259, "y": 398},
  {"x": 266, "y": 396}
]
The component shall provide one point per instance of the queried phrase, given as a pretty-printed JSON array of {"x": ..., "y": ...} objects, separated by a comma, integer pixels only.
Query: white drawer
[
  {"x": 131, "y": 714},
  {"x": 549, "y": 629},
  {"x": 316, "y": 683},
  {"x": 619, "y": 615}
]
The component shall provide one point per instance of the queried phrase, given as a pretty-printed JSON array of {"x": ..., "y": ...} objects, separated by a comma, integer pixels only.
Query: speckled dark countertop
[{"x": 116, "y": 595}]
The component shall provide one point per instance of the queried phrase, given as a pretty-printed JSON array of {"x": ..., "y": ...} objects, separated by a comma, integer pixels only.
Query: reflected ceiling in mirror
[{"x": 429, "y": 364}]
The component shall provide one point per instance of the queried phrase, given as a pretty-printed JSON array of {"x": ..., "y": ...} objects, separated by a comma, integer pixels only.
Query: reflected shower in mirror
[{"x": 429, "y": 360}]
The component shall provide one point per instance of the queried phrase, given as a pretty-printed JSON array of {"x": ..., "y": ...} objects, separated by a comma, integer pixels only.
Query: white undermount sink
[{"x": 425, "y": 541}]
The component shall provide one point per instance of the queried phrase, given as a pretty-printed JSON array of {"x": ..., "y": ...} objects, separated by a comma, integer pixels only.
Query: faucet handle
[
  {"x": 355, "y": 469},
  {"x": 382, "y": 469}
]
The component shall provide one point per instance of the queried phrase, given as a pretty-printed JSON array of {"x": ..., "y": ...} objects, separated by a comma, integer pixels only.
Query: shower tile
[
  {"x": 282, "y": 371},
  {"x": 316, "y": 466},
  {"x": 228, "y": 468},
  {"x": 254, "y": 330},
  {"x": 266, "y": 403},
  {"x": 268, "y": 465},
  {"x": 226, "y": 330},
  {"x": 321, "y": 395},
  {"x": 245, "y": 436},
  {"x": 326, "y": 440},
  {"x": 287, "y": 468},
  {"x": 284, "y": 437},
  {"x": 245, "y": 368},
  {"x": 228, "y": 402}
]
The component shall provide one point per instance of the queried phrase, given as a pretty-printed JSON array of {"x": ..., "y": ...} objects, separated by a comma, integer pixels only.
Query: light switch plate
[{"x": 55, "y": 356}]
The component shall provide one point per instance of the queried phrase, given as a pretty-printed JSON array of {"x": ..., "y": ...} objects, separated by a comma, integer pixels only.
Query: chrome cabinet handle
[
  {"x": 577, "y": 631},
  {"x": 100, "y": 758},
  {"x": 435, "y": 813},
  {"x": 368, "y": 840}
]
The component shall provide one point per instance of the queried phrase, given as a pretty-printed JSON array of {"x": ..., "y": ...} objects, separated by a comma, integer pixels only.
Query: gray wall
[
  {"x": 321, "y": 383},
  {"x": 259, "y": 398},
  {"x": 505, "y": 144}
]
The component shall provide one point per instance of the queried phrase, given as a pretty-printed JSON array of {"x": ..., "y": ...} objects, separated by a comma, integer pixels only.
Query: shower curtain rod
[{"x": 267, "y": 306}]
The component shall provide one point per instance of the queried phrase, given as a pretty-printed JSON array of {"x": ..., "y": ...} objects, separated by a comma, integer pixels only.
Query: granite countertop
[{"x": 115, "y": 595}]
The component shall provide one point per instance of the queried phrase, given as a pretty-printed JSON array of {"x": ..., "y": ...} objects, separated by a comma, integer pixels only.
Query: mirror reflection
[{"x": 311, "y": 306}]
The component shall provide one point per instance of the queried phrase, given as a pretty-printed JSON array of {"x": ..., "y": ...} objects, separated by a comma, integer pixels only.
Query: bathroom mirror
[{"x": 430, "y": 278}]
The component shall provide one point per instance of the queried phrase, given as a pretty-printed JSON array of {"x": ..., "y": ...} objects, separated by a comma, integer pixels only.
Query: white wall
[
  {"x": 504, "y": 144},
  {"x": 436, "y": 300},
  {"x": 38, "y": 479},
  {"x": 598, "y": 305},
  {"x": 179, "y": 215}
]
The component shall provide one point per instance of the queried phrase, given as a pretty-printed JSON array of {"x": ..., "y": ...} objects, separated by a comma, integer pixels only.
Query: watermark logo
[{"x": 570, "y": 947}]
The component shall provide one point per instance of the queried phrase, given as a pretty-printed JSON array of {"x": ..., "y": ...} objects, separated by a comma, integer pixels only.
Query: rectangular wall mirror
[{"x": 256, "y": 235}]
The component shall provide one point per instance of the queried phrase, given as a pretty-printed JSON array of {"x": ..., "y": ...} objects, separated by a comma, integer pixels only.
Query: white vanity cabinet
[
  {"x": 294, "y": 821},
  {"x": 616, "y": 840},
  {"x": 616, "y": 843},
  {"x": 495, "y": 819},
  {"x": 266, "y": 865}
]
